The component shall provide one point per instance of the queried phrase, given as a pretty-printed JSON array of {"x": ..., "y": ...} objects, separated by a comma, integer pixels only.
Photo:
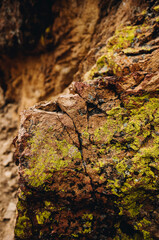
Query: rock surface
[
  {"x": 88, "y": 162},
  {"x": 55, "y": 44},
  {"x": 8, "y": 171},
  {"x": 89, "y": 166}
]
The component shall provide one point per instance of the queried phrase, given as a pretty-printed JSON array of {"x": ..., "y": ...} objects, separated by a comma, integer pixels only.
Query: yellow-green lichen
[
  {"x": 74, "y": 235},
  {"x": 136, "y": 172},
  {"x": 23, "y": 228},
  {"x": 157, "y": 19},
  {"x": 122, "y": 38},
  {"x": 120, "y": 235},
  {"x": 68, "y": 149},
  {"x": 88, "y": 216},
  {"x": 41, "y": 217},
  {"x": 144, "y": 12},
  {"x": 47, "y": 157},
  {"x": 133, "y": 51},
  {"x": 112, "y": 124},
  {"x": 121, "y": 41},
  {"x": 156, "y": 8},
  {"x": 85, "y": 134},
  {"x": 87, "y": 220}
]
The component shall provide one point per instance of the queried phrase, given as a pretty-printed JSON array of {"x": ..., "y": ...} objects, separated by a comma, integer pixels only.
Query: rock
[
  {"x": 100, "y": 165},
  {"x": 7, "y": 159},
  {"x": 88, "y": 160},
  {"x": 9, "y": 237},
  {"x": 2, "y": 100},
  {"x": 11, "y": 207},
  {"x": 12, "y": 184},
  {"x": 8, "y": 174},
  {"x": 6, "y": 146},
  {"x": 10, "y": 211}
]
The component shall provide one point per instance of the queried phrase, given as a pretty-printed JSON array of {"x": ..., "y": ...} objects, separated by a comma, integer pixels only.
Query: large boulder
[
  {"x": 89, "y": 165},
  {"x": 88, "y": 162}
]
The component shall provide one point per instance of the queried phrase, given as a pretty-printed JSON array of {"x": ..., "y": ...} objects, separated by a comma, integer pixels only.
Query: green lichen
[
  {"x": 130, "y": 137},
  {"x": 75, "y": 235},
  {"x": 120, "y": 42},
  {"x": 140, "y": 172},
  {"x": 88, "y": 216},
  {"x": 144, "y": 12},
  {"x": 141, "y": 225},
  {"x": 42, "y": 216},
  {"x": 68, "y": 150},
  {"x": 45, "y": 160},
  {"x": 157, "y": 19},
  {"x": 122, "y": 38},
  {"x": 85, "y": 134},
  {"x": 86, "y": 221},
  {"x": 120, "y": 235},
  {"x": 135, "y": 51},
  {"x": 47, "y": 203},
  {"x": 20, "y": 206},
  {"x": 156, "y": 8},
  {"x": 112, "y": 124},
  {"x": 23, "y": 227}
]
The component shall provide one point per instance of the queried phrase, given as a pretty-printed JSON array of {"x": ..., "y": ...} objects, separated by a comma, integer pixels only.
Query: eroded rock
[
  {"x": 88, "y": 162},
  {"x": 89, "y": 172}
]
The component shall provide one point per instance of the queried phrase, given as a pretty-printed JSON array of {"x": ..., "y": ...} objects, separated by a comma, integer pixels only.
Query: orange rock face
[{"x": 88, "y": 161}]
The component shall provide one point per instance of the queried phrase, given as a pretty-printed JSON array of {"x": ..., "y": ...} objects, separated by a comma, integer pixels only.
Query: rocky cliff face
[
  {"x": 48, "y": 45},
  {"x": 88, "y": 161}
]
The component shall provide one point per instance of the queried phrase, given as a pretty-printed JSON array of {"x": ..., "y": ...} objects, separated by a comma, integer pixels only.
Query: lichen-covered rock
[
  {"x": 89, "y": 168},
  {"x": 88, "y": 162}
]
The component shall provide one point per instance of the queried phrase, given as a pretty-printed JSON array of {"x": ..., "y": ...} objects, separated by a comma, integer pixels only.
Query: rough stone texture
[
  {"x": 59, "y": 47},
  {"x": 8, "y": 171},
  {"x": 49, "y": 42},
  {"x": 44, "y": 46},
  {"x": 89, "y": 168},
  {"x": 88, "y": 162}
]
